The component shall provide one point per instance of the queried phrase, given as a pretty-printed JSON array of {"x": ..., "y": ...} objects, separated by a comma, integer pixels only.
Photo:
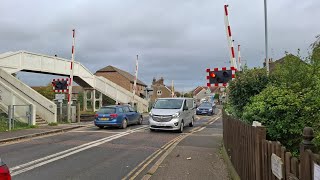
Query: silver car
[{"x": 172, "y": 114}]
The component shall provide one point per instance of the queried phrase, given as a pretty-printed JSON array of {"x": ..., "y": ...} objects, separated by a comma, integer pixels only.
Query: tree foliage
[{"x": 246, "y": 85}]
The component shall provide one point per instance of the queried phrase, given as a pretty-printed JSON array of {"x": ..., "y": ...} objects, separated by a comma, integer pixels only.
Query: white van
[{"x": 172, "y": 114}]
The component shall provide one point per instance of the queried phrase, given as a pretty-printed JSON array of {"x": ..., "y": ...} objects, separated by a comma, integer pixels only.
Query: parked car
[
  {"x": 118, "y": 115},
  {"x": 4, "y": 171},
  {"x": 206, "y": 108},
  {"x": 172, "y": 114}
]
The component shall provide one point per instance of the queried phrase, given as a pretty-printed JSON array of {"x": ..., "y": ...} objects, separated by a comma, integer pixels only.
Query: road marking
[
  {"x": 98, "y": 132},
  {"x": 165, "y": 150},
  {"x": 154, "y": 168},
  {"x": 54, "y": 157},
  {"x": 149, "y": 159}
]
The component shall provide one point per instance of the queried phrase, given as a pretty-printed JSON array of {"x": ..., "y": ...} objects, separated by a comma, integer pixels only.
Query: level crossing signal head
[
  {"x": 220, "y": 77},
  {"x": 60, "y": 85}
]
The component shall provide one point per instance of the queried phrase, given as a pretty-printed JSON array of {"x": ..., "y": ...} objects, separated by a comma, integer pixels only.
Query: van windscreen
[{"x": 168, "y": 104}]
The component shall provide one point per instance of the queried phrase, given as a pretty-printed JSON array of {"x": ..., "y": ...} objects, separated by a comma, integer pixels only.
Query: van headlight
[
  {"x": 150, "y": 114},
  {"x": 176, "y": 115},
  {"x": 210, "y": 109}
]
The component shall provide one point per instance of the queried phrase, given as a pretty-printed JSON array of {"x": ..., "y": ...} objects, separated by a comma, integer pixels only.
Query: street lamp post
[{"x": 266, "y": 34}]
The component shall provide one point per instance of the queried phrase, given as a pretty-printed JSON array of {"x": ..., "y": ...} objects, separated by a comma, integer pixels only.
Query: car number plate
[
  {"x": 162, "y": 124},
  {"x": 104, "y": 119}
]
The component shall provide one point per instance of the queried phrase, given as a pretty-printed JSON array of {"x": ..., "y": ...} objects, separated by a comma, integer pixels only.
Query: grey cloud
[{"x": 174, "y": 39}]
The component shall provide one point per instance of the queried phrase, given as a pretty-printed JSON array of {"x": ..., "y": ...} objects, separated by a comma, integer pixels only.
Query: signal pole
[{"x": 71, "y": 77}]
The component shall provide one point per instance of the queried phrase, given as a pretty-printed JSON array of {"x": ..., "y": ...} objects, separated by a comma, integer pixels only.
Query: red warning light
[{"x": 212, "y": 75}]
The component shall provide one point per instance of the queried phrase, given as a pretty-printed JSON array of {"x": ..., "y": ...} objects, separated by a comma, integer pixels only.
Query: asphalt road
[{"x": 90, "y": 153}]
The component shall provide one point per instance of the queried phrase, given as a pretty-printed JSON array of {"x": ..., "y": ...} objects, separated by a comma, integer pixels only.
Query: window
[
  {"x": 126, "y": 109},
  {"x": 159, "y": 92},
  {"x": 168, "y": 104},
  {"x": 120, "y": 110},
  {"x": 131, "y": 109},
  {"x": 107, "y": 111}
]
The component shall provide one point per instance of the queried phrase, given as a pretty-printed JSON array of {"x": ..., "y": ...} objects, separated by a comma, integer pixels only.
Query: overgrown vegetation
[{"x": 285, "y": 102}]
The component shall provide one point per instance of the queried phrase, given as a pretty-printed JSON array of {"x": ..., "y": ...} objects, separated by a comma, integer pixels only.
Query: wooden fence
[{"x": 251, "y": 153}]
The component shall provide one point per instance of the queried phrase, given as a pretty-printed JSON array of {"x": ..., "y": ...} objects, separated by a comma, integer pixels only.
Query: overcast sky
[{"x": 175, "y": 39}]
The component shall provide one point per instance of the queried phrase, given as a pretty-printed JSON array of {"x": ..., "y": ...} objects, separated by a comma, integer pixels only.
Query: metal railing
[{"x": 19, "y": 116}]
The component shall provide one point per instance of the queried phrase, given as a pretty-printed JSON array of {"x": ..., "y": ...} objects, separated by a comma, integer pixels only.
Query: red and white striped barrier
[
  {"x": 229, "y": 37},
  {"x": 58, "y": 80},
  {"x": 71, "y": 66},
  {"x": 233, "y": 70}
]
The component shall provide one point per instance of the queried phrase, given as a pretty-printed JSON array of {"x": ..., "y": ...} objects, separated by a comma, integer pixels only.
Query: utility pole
[
  {"x": 266, "y": 34},
  {"x": 71, "y": 77}
]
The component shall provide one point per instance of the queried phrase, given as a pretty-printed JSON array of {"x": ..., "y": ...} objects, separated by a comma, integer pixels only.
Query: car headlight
[
  {"x": 176, "y": 115},
  {"x": 210, "y": 109}
]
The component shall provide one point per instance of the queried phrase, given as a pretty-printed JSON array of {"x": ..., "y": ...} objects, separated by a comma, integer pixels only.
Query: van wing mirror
[{"x": 185, "y": 108}]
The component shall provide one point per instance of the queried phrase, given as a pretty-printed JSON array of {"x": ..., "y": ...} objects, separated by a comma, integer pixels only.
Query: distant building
[
  {"x": 273, "y": 64},
  {"x": 160, "y": 90},
  {"x": 123, "y": 79},
  {"x": 203, "y": 92}
]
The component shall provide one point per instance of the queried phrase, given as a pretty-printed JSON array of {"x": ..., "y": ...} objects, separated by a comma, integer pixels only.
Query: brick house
[
  {"x": 123, "y": 79},
  {"x": 160, "y": 90}
]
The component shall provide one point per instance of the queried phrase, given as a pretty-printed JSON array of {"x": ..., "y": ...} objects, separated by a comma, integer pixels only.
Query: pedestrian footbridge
[{"x": 13, "y": 62}]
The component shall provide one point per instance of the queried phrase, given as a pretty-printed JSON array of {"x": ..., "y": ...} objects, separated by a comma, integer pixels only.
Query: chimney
[
  {"x": 153, "y": 81},
  {"x": 161, "y": 80}
]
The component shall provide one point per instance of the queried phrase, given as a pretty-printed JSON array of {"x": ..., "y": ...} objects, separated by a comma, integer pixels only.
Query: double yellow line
[{"x": 165, "y": 150}]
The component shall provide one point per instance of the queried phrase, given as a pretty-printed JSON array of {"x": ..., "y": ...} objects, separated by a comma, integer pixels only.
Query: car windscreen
[
  {"x": 168, "y": 104},
  {"x": 205, "y": 105},
  {"x": 107, "y": 110}
]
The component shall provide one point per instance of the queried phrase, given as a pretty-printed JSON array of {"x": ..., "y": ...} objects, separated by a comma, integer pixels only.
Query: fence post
[
  {"x": 260, "y": 136},
  {"x": 78, "y": 112},
  {"x": 9, "y": 116},
  {"x": 305, "y": 159}
]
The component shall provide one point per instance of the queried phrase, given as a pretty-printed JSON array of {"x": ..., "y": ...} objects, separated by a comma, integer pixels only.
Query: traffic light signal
[
  {"x": 220, "y": 77},
  {"x": 60, "y": 85}
]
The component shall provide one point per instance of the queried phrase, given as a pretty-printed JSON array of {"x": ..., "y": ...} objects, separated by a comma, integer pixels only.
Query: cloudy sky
[{"x": 175, "y": 39}]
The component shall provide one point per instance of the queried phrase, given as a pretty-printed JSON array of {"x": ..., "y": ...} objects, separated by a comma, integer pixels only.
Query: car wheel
[
  {"x": 140, "y": 121},
  {"x": 192, "y": 121},
  {"x": 101, "y": 127},
  {"x": 124, "y": 124},
  {"x": 181, "y": 127}
]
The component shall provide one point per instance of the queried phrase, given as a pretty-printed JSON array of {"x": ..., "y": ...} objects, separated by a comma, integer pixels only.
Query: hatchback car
[
  {"x": 206, "y": 108},
  {"x": 4, "y": 171},
  {"x": 118, "y": 116}
]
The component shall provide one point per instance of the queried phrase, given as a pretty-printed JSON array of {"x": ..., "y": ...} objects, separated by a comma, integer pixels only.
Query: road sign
[{"x": 60, "y": 96}]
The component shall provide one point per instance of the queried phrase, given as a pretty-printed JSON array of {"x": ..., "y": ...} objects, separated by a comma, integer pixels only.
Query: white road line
[
  {"x": 98, "y": 132},
  {"x": 68, "y": 152}
]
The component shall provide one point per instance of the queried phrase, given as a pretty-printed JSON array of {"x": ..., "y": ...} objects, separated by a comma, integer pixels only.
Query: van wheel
[
  {"x": 181, "y": 127},
  {"x": 192, "y": 121},
  {"x": 101, "y": 127}
]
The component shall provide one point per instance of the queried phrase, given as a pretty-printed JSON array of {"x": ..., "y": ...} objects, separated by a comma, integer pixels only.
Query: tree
[
  {"x": 246, "y": 84},
  {"x": 47, "y": 91}
]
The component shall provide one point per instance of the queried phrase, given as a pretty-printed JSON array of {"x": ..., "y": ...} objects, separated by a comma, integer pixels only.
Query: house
[
  {"x": 160, "y": 90},
  {"x": 123, "y": 79},
  {"x": 203, "y": 92},
  {"x": 281, "y": 61}
]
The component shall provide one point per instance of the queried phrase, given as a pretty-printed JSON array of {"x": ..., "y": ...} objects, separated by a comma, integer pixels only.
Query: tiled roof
[{"x": 127, "y": 75}]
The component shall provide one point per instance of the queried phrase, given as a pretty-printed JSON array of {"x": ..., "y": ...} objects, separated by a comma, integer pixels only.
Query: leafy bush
[
  {"x": 279, "y": 110},
  {"x": 247, "y": 84}
]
